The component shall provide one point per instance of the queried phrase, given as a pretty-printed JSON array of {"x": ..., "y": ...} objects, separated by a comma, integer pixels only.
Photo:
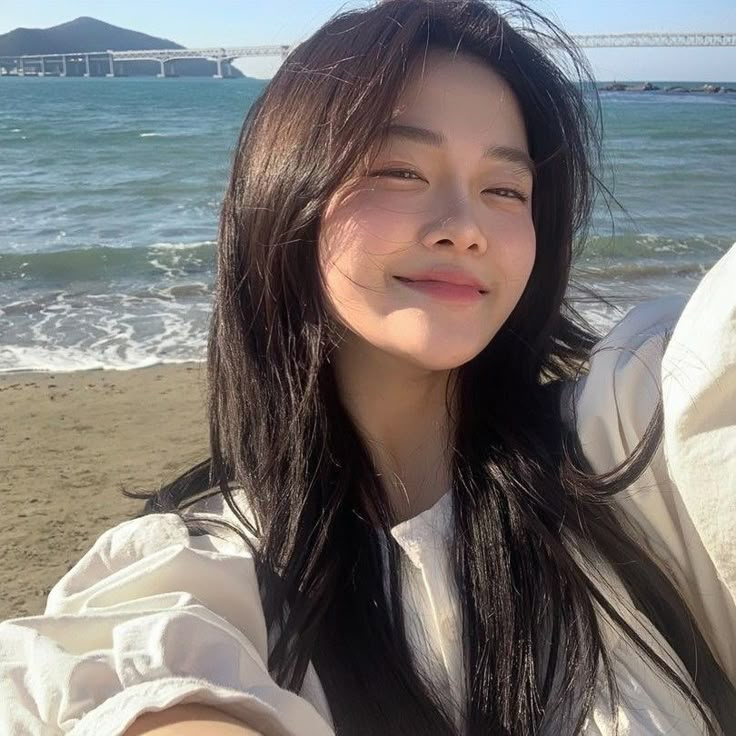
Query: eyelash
[{"x": 393, "y": 172}]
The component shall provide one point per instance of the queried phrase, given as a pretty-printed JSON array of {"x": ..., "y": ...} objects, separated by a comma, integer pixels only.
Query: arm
[
  {"x": 684, "y": 504},
  {"x": 189, "y": 720}
]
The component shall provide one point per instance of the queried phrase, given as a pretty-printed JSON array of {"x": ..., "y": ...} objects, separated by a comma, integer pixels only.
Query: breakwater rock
[{"x": 679, "y": 89}]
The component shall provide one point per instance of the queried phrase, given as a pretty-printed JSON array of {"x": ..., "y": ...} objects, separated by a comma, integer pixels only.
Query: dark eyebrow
[{"x": 432, "y": 138}]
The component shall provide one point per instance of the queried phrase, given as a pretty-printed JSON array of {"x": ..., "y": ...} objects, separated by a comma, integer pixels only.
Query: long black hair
[{"x": 534, "y": 651}]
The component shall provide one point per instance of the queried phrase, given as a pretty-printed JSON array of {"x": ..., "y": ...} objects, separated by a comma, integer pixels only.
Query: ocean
[{"x": 110, "y": 192}]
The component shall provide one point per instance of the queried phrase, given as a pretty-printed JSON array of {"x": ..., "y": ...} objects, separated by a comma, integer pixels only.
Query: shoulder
[{"x": 158, "y": 555}]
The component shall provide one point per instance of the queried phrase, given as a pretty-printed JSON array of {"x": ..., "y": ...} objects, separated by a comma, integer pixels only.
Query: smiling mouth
[{"x": 436, "y": 281}]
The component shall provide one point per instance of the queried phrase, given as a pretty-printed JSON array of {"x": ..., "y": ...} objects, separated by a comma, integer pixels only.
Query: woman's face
[{"x": 449, "y": 191}]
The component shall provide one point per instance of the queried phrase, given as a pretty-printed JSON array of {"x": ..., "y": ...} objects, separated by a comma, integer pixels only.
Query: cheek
[
  {"x": 352, "y": 269},
  {"x": 379, "y": 223},
  {"x": 361, "y": 233},
  {"x": 526, "y": 253},
  {"x": 514, "y": 247}
]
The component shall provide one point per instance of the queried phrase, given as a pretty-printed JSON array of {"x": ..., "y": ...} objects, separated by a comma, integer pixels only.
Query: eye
[
  {"x": 508, "y": 193},
  {"x": 399, "y": 174}
]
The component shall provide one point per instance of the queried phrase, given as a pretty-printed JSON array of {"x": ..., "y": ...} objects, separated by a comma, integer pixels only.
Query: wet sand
[{"x": 69, "y": 442}]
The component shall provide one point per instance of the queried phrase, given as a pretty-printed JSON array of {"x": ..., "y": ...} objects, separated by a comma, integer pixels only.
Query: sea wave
[{"x": 105, "y": 263}]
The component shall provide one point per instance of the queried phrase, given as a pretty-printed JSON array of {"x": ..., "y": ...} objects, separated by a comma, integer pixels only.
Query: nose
[{"x": 457, "y": 226}]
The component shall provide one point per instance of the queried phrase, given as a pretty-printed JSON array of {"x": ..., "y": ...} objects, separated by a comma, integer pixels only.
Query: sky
[{"x": 255, "y": 22}]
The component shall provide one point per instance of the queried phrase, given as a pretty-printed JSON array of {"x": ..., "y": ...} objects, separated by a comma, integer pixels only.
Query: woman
[{"x": 421, "y": 514}]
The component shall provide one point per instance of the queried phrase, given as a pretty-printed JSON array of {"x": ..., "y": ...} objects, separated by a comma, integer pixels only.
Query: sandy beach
[{"x": 69, "y": 442}]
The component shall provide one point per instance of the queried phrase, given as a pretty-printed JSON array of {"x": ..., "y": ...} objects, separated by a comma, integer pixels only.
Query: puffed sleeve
[
  {"x": 685, "y": 503},
  {"x": 149, "y": 618}
]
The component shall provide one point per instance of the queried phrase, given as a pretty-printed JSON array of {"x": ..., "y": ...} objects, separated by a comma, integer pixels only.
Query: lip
[
  {"x": 446, "y": 276},
  {"x": 445, "y": 291}
]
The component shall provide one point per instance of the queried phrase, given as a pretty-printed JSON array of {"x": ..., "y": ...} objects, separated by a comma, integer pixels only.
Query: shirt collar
[{"x": 427, "y": 533}]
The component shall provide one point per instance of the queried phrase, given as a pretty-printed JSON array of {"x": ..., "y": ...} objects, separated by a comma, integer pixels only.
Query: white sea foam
[
  {"x": 68, "y": 360},
  {"x": 113, "y": 331},
  {"x": 14, "y": 359}
]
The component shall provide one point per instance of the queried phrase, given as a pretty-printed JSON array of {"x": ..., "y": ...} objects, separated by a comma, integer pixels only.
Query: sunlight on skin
[{"x": 426, "y": 203}]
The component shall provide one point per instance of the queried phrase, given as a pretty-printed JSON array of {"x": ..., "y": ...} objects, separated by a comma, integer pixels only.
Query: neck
[{"x": 400, "y": 411}]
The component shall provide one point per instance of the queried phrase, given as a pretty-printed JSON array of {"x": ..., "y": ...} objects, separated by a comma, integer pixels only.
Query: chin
[{"x": 442, "y": 358}]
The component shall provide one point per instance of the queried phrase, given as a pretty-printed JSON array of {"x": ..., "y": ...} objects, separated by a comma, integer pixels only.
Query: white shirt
[{"x": 151, "y": 617}]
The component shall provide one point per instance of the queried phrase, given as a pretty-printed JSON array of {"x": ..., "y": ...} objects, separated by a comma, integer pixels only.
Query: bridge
[
  {"x": 104, "y": 61},
  {"x": 621, "y": 40}
]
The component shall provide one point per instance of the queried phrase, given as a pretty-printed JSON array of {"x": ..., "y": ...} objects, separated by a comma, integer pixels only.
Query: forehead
[{"x": 458, "y": 94}]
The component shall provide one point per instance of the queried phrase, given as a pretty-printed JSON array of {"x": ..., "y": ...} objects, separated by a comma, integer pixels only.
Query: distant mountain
[{"x": 90, "y": 34}]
